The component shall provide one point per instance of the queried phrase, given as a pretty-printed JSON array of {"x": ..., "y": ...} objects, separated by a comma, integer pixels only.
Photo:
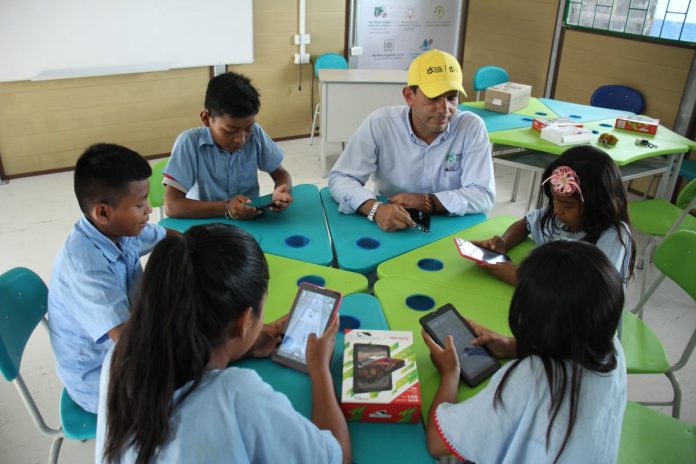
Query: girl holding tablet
[{"x": 169, "y": 395}]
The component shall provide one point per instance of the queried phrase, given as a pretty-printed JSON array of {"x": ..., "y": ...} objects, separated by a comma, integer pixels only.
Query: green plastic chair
[
  {"x": 675, "y": 257},
  {"x": 648, "y": 436},
  {"x": 658, "y": 218},
  {"x": 23, "y": 303},
  {"x": 156, "y": 193}
]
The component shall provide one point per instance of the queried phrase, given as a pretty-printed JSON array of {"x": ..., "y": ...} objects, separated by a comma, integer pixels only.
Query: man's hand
[
  {"x": 495, "y": 243},
  {"x": 270, "y": 336},
  {"x": 391, "y": 217},
  {"x": 240, "y": 210},
  {"x": 499, "y": 345},
  {"x": 409, "y": 200},
  {"x": 281, "y": 198},
  {"x": 507, "y": 272}
]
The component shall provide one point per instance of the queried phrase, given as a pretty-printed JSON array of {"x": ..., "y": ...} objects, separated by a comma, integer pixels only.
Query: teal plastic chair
[
  {"x": 675, "y": 257},
  {"x": 688, "y": 169},
  {"x": 649, "y": 437},
  {"x": 156, "y": 193},
  {"x": 23, "y": 305},
  {"x": 325, "y": 61},
  {"x": 657, "y": 218},
  {"x": 487, "y": 76}
]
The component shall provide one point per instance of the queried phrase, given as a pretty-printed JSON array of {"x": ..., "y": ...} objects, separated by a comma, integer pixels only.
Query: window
[{"x": 663, "y": 19}]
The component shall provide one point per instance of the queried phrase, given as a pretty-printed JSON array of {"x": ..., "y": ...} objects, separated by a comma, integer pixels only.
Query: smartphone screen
[
  {"x": 265, "y": 201},
  {"x": 311, "y": 313},
  {"x": 476, "y": 363},
  {"x": 476, "y": 253}
]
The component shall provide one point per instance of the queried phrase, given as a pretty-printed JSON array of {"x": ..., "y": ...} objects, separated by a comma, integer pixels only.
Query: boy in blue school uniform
[
  {"x": 213, "y": 169},
  {"x": 96, "y": 273}
]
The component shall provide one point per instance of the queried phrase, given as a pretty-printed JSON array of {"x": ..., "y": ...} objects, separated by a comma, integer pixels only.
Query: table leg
[{"x": 669, "y": 179}]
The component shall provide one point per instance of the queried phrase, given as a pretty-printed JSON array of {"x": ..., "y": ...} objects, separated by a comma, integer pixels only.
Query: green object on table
[
  {"x": 286, "y": 274},
  {"x": 361, "y": 245},
  {"x": 371, "y": 442},
  {"x": 650, "y": 437},
  {"x": 393, "y": 293},
  {"x": 439, "y": 263},
  {"x": 299, "y": 232}
]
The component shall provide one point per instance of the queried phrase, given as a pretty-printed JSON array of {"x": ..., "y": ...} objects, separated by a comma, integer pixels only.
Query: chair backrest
[
  {"x": 686, "y": 195},
  {"x": 487, "y": 76},
  {"x": 23, "y": 300},
  {"x": 156, "y": 193},
  {"x": 329, "y": 61},
  {"x": 618, "y": 97},
  {"x": 675, "y": 257}
]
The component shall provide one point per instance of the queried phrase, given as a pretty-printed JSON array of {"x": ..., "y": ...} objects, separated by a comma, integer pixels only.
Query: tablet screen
[
  {"x": 311, "y": 315},
  {"x": 471, "y": 251}
]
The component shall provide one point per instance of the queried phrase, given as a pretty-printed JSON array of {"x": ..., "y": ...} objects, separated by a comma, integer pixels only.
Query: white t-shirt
[
  {"x": 616, "y": 248},
  {"x": 516, "y": 433},
  {"x": 232, "y": 416}
]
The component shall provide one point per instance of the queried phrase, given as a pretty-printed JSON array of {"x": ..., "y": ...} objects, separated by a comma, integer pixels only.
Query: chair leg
[
  {"x": 55, "y": 449},
  {"x": 515, "y": 185},
  {"x": 647, "y": 260},
  {"x": 532, "y": 185},
  {"x": 314, "y": 123},
  {"x": 676, "y": 405}
]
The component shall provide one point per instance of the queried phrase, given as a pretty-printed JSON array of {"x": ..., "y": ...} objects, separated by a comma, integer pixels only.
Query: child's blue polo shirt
[
  {"x": 92, "y": 286},
  {"x": 204, "y": 171}
]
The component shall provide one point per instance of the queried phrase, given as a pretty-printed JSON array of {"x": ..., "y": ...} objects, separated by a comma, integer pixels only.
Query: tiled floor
[{"x": 37, "y": 213}]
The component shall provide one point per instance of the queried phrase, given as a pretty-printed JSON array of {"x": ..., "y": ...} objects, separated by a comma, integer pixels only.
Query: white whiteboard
[{"x": 54, "y": 39}]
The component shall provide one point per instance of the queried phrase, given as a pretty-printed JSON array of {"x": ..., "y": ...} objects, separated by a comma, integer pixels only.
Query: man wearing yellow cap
[{"x": 426, "y": 155}]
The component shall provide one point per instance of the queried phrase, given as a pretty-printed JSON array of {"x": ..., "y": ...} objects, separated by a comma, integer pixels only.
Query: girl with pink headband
[{"x": 586, "y": 201}]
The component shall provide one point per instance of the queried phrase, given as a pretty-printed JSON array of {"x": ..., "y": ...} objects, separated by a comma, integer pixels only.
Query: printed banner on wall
[{"x": 393, "y": 32}]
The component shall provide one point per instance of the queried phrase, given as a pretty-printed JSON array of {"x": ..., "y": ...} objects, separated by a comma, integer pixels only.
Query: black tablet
[
  {"x": 421, "y": 218},
  {"x": 476, "y": 362},
  {"x": 312, "y": 311}
]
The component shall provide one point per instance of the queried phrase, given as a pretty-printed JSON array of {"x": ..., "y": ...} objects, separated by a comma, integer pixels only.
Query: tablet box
[
  {"x": 507, "y": 97},
  {"x": 642, "y": 124},
  {"x": 540, "y": 123},
  {"x": 380, "y": 378},
  {"x": 566, "y": 135}
]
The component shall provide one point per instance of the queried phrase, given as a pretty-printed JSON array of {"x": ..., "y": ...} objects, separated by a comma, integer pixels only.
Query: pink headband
[{"x": 565, "y": 182}]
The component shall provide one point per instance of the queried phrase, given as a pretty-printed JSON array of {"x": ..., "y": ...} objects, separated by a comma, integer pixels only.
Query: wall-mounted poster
[{"x": 388, "y": 34}]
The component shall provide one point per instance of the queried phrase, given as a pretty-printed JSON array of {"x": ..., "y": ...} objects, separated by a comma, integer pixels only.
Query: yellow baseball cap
[{"x": 435, "y": 72}]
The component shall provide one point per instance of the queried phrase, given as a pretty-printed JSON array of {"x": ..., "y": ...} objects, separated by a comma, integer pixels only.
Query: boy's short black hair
[
  {"x": 103, "y": 172},
  {"x": 233, "y": 95}
]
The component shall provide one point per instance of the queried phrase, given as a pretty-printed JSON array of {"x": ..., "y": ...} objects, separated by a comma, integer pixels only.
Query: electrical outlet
[
  {"x": 301, "y": 39},
  {"x": 304, "y": 59},
  {"x": 356, "y": 51}
]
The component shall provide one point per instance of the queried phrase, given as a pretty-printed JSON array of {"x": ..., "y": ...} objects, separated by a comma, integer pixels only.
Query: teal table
[
  {"x": 502, "y": 121},
  {"x": 299, "y": 232},
  {"x": 372, "y": 443},
  {"x": 405, "y": 301},
  {"x": 360, "y": 245},
  {"x": 439, "y": 263}
]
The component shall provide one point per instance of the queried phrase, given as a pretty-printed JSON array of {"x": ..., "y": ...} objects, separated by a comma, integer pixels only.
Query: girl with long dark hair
[
  {"x": 563, "y": 396},
  {"x": 169, "y": 396}
]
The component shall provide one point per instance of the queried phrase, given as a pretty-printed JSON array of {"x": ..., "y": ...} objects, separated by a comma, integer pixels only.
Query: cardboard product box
[
  {"x": 507, "y": 97},
  {"x": 539, "y": 123},
  {"x": 642, "y": 124},
  {"x": 380, "y": 377},
  {"x": 566, "y": 135}
]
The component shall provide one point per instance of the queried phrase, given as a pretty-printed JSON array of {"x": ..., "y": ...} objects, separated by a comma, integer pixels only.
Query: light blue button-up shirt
[
  {"x": 456, "y": 167},
  {"x": 92, "y": 286},
  {"x": 204, "y": 171}
]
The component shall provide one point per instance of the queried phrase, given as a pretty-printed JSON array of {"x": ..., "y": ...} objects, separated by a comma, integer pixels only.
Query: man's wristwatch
[{"x": 371, "y": 214}]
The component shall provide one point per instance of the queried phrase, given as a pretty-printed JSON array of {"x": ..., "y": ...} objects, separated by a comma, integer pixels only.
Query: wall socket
[
  {"x": 301, "y": 39},
  {"x": 301, "y": 59}
]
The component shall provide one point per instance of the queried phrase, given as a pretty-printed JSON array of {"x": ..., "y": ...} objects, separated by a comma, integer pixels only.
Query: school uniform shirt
[
  {"x": 232, "y": 416},
  {"x": 456, "y": 167},
  {"x": 204, "y": 171},
  {"x": 515, "y": 431},
  {"x": 609, "y": 241},
  {"x": 92, "y": 286}
]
